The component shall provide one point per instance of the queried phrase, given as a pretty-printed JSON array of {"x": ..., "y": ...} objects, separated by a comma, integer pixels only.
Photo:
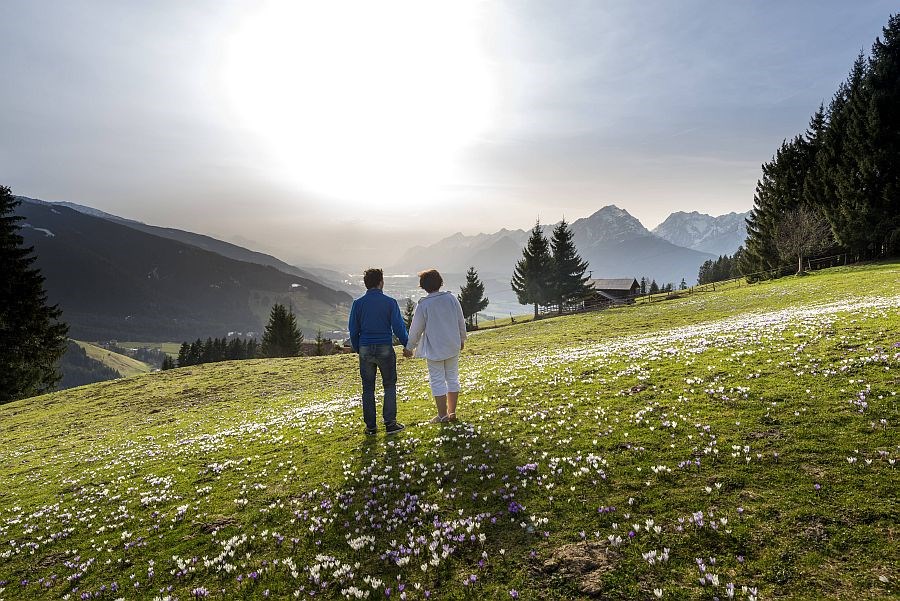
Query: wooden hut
[{"x": 617, "y": 290}]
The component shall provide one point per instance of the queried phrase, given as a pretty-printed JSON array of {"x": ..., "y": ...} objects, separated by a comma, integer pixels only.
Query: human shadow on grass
[{"x": 429, "y": 508}]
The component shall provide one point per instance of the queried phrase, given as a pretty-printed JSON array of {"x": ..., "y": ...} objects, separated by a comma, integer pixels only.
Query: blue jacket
[{"x": 372, "y": 317}]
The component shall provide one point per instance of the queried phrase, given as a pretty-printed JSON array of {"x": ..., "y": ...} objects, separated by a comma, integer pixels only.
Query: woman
[{"x": 439, "y": 323}]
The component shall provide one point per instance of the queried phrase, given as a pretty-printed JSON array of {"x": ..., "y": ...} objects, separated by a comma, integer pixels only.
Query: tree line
[
  {"x": 282, "y": 338},
  {"x": 213, "y": 350},
  {"x": 836, "y": 187},
  {"x": 726, "y": 267}
]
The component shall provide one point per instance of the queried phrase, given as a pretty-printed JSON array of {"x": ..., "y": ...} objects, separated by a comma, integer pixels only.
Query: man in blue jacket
[{"x": 373, "y": 317}]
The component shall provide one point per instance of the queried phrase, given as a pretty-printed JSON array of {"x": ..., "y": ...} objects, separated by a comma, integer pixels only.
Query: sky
[{"x": 342, "y": 133}]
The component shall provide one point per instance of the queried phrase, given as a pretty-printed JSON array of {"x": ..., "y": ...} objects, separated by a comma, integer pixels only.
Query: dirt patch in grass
[
  {"x": 584, "y": 564},
  {"x": 217, "y": 523}
]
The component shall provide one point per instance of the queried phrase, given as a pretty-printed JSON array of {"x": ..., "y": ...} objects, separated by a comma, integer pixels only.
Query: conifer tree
[
  {"x": 320, "y": 343},
  {"x": 236, "y": 350},
  {"x": 409, "y": 310},
  {"x": 780, "y": 190},
  {"x": 282, "y": 337},
  {"x": 532, "y": 279},
  {"x": 32, "y": 337},
  {"x": 196, "y": 354},
  {"x": 569, "y": 282},
  {"x": 654, "y": 287},
  {"x": 644, "y": 286},
  {"x": 168, "y": 363},
  {"x": 183, "y": 354},
  {"x": 471, "y": 297},
  {"x": 206, "y": 351},
  {"x": 884, "y": 121},
  {"x": 848, "y": 162}
]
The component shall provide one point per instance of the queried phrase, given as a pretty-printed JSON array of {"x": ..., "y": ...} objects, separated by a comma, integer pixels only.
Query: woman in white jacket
[{"x": 439, "y": 323}]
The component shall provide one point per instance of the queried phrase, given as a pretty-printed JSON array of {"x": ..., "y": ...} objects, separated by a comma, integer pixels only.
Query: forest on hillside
[{"x": 836, "y": 187}]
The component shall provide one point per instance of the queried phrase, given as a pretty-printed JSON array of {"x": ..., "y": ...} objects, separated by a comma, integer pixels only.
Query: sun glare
[{"x": 362, "y": 101}]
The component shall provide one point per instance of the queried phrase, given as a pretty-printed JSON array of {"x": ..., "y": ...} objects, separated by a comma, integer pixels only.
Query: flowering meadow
[{"x": 741, "y": 444}]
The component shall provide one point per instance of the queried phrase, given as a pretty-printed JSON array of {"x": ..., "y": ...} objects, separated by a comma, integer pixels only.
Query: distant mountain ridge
[
  {"x": 720, "y": 235},
  {"x": 226, "y": 249},
  {"x": 613, "y": 241},
  {"x": 115, "y": 281}
]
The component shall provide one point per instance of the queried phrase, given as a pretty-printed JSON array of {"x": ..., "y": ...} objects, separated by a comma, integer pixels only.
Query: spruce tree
[
  {"x": 32, "y": 337},
  {"x": 196, "y": 354},
  {"x": 569, "y": 282},
  {"x": 320, "y": 343},
  {"x": 884, "y": 122},
  {"x": 654, "y": 287},
  {"x": 168, "y": 363},
  {"x": 235, "y": 350},
  {"x": 532, "y": 279},
  {"x": 780, "y": 190},
  {"x": 207, "y": 351},
  {"x": 409, "y": 310},
  {"x": 184, "y": 354},
  {"x": 282, "y": 337},
  {"x": 471, "y": 297},
  {"x": 850, "y": 167}
]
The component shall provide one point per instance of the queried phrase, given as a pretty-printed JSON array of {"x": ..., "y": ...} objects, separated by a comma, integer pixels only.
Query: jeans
[{"x": 382, "y": 358}]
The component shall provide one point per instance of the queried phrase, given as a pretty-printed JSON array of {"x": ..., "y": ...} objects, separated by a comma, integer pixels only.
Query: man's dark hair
[
  {"x": 372, "y": 277},
  {"x": 430, "y": 280}
]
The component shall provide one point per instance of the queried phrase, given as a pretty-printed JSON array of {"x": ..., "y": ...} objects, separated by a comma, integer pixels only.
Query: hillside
[
  {"x": 123, "y": 364},
  {"x": 115, "y": 282},
  {"x": 742, "y": 442},
  {"x": 226, "y": 249}
]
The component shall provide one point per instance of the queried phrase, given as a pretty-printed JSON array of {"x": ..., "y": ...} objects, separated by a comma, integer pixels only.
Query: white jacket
[{"x": 439, "y": 317}]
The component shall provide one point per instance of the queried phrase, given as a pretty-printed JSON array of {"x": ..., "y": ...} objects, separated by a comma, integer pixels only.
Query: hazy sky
[{"x": 344, "y": 132}]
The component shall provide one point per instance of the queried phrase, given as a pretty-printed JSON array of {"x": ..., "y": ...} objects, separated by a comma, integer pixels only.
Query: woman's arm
[{"x": 461, "y": 319}]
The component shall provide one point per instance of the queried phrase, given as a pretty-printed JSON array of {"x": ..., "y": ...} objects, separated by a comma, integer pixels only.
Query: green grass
[
  {"x": 251, "y": 477},
  {"x": 123, "y": 364}
]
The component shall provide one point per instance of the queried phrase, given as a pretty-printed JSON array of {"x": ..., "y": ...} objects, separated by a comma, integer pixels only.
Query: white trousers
[{"x": 443, "y": 376}]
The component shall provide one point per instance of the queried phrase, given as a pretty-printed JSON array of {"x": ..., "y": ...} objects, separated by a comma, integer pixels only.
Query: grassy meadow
[
  {"x": 733, "y": 444},
  {"x": 123, "y": 364}
]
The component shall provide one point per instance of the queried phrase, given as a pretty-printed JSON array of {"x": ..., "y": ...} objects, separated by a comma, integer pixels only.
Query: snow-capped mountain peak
[{"x": 720, "y": 235}]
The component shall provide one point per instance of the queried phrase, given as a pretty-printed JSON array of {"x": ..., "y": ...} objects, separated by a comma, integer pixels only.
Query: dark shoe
[
  {"x": 371, "y": 431},
  {"x": 393, "y": 428}
]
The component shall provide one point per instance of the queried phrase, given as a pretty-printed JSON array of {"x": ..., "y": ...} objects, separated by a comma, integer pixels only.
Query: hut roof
[{"x": 614, "y": 283}]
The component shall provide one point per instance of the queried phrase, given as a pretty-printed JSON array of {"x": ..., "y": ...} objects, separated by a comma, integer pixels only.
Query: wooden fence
[{"x": 738, "y": 282}]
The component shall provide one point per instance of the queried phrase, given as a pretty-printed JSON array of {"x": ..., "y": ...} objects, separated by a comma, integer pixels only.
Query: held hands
[{"x": 407, "y": 353}]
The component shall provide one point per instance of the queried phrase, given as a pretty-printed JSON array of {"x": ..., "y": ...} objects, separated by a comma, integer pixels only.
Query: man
[{"x": 373, "y": 317}]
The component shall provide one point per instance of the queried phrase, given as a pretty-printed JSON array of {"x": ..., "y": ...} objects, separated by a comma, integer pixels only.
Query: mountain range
[
  {"x": 117, "y": 279},
  {"x": 614, "y": 243},
  {"x": 720, "y": 235}
]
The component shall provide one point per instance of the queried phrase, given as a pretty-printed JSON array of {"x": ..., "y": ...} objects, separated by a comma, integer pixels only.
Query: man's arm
[
  {"x": 398, "y": 325},
  {"x": 354, "y": 328}
]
